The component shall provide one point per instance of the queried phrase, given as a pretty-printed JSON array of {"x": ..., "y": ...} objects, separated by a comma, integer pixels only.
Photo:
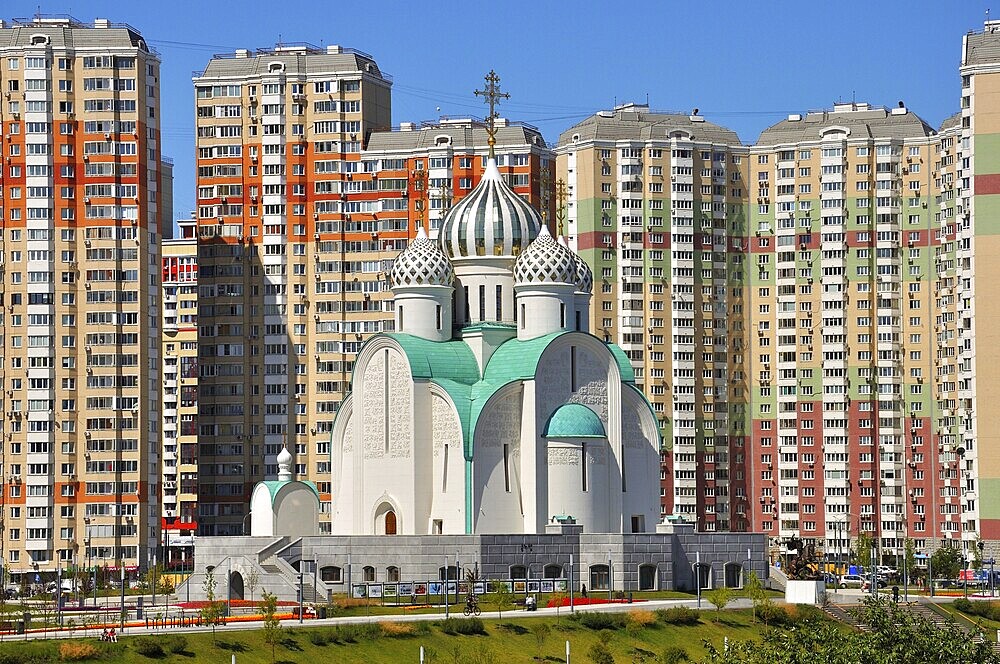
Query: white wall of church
[
  {"x": 447, "y": 459},
  {"x": 641, "y": 444},
  {"x": 497, "y": 478},
  {"x": 578, "y": 368}
]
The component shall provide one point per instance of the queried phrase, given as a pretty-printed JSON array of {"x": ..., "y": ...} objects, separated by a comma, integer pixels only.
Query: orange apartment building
[{"x": 80, "y": 222}]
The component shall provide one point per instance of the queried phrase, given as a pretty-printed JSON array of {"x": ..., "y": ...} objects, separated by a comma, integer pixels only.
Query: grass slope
[{"x": 512, "y": 641}]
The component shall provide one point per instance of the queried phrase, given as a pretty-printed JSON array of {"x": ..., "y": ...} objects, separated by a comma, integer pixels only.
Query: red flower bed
[{"x": 583, "y": 601}]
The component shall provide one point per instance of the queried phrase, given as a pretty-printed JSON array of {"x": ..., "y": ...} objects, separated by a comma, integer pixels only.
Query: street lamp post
[{"x": 121, "y": 611}]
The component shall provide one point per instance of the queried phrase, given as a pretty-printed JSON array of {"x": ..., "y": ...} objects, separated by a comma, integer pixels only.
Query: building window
[
  {"x": 600, "y": 577},
  {"x": 331, "y": 574},
  {"x": 368, "y": 573}
]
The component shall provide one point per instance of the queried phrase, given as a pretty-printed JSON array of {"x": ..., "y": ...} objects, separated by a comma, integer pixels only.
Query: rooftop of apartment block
[
  {"x": 635, "y": 122},
  {"x": 862, "y": 120},
  {"x": 64, "y": 31},
  {"x": 952, "y": 120},
  {"x": 293, "y": 59},
  {"x": 455, "y": 133},
  {"x": 983, "y": 47}
]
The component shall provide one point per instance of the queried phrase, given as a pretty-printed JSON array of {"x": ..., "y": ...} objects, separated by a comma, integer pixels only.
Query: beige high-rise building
[
  {"x": 180, "y": 395},
  {"x": 285, "y": 272},
  {"x": 79, "y": 282},
  {"x": 822, "y": 366}
]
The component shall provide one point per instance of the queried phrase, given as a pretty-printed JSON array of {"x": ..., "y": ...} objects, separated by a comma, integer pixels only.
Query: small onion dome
[
  {"x": 284, "y": 464},
  {"x": 545, "y": 261},
  {"x": 421, "y": 264},
  {"x": 492, "y": 220}
]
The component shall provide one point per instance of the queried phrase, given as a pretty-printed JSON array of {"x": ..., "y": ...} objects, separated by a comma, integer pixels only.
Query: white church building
[
  {"x": 492, "y": 432},
  {"x": 492, "y": 409}
]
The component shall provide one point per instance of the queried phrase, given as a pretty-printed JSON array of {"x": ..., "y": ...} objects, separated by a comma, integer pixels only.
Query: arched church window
[
  {"x": 331, "y": 574},
  {"x": 600, "y": 577},
  {"x": 392, "y": 574},
  {"x": 390, "y": 523},
  {"x": 552, "y": 571},
  {"x": 518, "y": 572},
  {"x": 368, "y": 573}
]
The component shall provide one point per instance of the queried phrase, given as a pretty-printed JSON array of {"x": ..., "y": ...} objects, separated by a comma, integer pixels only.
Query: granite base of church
[
  {"x": 805, "y": 592},
  {"x": 664, "y": 560}
]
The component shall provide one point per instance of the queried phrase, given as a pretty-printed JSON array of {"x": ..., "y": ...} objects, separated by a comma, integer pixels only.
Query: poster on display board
[{"x": 375, "y": 590}]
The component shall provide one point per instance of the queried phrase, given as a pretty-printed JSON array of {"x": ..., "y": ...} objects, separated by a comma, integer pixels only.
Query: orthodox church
[{"x": 492, "y": 409}]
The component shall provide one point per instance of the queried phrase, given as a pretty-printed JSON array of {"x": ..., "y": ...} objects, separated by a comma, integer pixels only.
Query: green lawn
[{"x": 512, "y": 641}]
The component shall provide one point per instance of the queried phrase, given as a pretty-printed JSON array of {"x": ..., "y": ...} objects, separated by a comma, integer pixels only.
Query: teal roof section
[
  {"x": 438, "y": 360},
  {"x": 517, "y": 359},
  {"x": 273, "y": 486},
  {"x": 574, "y": 420},
  {"x": 624, "y": 364}
]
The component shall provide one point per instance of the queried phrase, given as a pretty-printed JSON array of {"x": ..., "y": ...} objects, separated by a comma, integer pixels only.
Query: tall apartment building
[
  {"x": 854, "y": 252},
  {"x": 853, "y": 338},
  {"x": 279, "y": 139},
  {"x": 79, "y": 243},
  {"x": 438, "y": 163},
  {"x": 972, "y": 182},
  {"x": 304, "y": 200},
  {"x": 657, "y": 205},
  {"x": 180, "y": 395}
]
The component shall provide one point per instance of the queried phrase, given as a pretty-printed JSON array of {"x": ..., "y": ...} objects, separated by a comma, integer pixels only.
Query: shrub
[
  {"x": 773, "y": 615},
  {"x": 147, "y": 646},
  {"x": 674, "y": 655},
  {"x": 600, "y": 654},
  {"x": 396, "y": 629},
  {"x": 964, "y": 605},
  {"x": 678, "y": 615},
  {"x": 466, "y": 626},
  {"x": 318, "y": 637},
  {"x": 599, "y": 621},
  {"x": 76, "y": 652},
  {"x": 641, "y": 617},
  {"x": 175, "y": 643},
  {"x": 808, "y": 612}
]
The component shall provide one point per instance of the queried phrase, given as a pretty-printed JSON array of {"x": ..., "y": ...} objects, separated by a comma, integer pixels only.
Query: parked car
[
  {"x": 867, "y": 585},
  {"x": 851, "y": 581}
]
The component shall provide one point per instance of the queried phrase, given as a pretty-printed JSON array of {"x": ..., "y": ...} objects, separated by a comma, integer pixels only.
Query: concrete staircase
[
  {"x": 840, "y": 613},
  {"x": 935, "y": 616},
  {"x": 777, "y": 579}
]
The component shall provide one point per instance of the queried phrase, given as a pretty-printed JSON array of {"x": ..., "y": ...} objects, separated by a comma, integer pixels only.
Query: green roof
[
  {"x": 439, "y": 360},
  {"x": 624, "y": 364},
  {"x": 274, "y": 485},
  {"x": 574, "y": 420}
]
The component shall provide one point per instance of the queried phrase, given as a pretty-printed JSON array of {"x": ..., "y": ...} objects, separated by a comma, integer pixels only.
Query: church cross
[
  {"x": 560, "y": 202},
  {"x": 492, "y": 95}
]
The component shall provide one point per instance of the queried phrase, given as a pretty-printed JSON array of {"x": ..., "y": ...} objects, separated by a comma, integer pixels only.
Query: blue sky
[{"x": 744, "y": 64}]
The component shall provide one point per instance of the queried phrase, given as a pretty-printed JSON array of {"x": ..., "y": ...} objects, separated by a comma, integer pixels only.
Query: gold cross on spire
[
  {"x": 492, "y": 95},
  {"x": 560, "y": 202}
]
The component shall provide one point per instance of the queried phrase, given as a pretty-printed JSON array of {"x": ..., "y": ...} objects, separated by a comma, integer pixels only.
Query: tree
[
  {"x": 719, "y": 598},
  {"x": 755, "y": 591},
  {"x": 894, "y": 635},
  {"x": 599, "y": 653},
  {"x": 253, "y": 579},
  {"x": 502, "y": 598},
  {"x": 541, "y": 632},
  {"x": 213, "y": 610},
  {"x": 909, "y": 559},
  {"x": 558, "y": 598},
  {"x": 863, "y": 549},
  {"x": 272, "y": 625},
  {"x": 947, "y": 562}
]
